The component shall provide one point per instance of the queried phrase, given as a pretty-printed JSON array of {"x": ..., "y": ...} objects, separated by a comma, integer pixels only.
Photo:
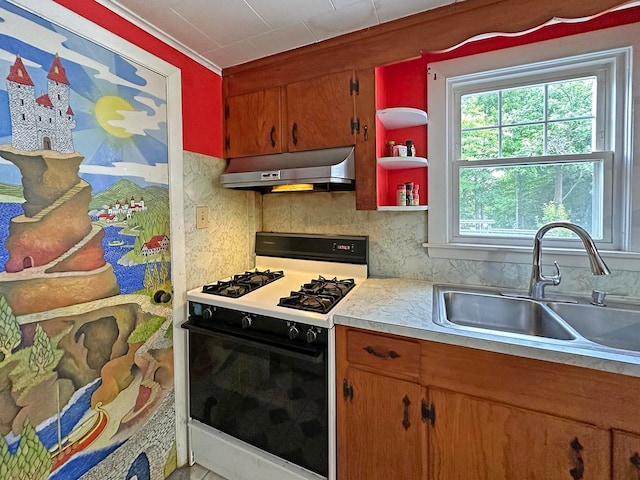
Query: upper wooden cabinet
[
  {"x": 253, "y": 123},
  {"x": 306, "y": 115},
  {"x": 320, "y": 112}
]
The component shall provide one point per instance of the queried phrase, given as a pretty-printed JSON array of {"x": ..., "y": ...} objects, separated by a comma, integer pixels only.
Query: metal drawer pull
[
  {"x": 577, "y": 472},
  {"x": 272, "y": 136},
  {"x": 384, "y": 355},
  {"x": 405, "y": 417}
]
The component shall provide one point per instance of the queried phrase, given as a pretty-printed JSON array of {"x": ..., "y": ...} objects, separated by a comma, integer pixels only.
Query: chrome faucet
[{"x": 538, "y": 281}]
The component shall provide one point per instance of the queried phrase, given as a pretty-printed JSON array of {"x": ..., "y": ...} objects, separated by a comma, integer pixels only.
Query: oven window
[{"x": 265, "y": 395}]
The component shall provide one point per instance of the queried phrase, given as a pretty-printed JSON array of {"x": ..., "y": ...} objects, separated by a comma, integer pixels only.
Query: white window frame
[{"x": 618, "y": 48}]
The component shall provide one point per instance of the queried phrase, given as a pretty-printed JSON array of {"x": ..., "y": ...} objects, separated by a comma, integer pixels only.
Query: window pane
[
  {"x": 479, "y": 110},
  {"x": 480, "y": 144},
  {"x": 572, "y": 99},
  {"x": 517, "y": 200},
  {"x": 523, "y": 105},
  {"x": 523, "y": 141},
  {"x": 573, "y": 136}
]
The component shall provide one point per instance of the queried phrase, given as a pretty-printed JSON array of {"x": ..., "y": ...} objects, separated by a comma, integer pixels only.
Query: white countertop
[{"x": 403, "y": 307}]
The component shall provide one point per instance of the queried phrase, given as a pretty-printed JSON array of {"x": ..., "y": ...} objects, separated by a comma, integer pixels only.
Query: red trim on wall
[{"x": 201, "y": 88}]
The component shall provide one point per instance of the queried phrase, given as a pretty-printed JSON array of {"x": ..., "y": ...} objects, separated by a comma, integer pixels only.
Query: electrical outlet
[{"x": 202, "y": 217}]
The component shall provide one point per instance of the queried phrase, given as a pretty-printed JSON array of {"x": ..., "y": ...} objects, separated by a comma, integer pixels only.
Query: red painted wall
[
  {"x": 201, "y": 88},
  {"x": 405, "y": 85}
]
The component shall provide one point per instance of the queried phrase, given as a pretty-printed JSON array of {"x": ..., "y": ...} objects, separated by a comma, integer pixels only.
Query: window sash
[{"x": 603, "y": 199}]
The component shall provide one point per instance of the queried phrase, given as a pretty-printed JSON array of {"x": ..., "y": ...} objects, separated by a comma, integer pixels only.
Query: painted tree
[
  {"x": 31, "y": 460},
  {"x": 41, "y": 351},
  {"x": 10, "y": 334},
  {"x": 164, "y": 269}
]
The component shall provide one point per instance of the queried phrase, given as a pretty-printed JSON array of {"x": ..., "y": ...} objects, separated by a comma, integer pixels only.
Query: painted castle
[{"x": 45, "y": 122}]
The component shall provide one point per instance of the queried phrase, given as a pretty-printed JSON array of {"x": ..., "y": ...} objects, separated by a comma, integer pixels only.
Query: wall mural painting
[{"x": 86, "y": 354}]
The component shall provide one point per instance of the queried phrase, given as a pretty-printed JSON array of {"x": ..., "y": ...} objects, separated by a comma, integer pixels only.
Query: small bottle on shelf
[
  {"x": 411, "y": 148},
  {"x": 409, "y": 193},
  {"x": 416, "y": 195},
  {"x": 401, "y": 195},
  {"x": 389, "y": 149}
]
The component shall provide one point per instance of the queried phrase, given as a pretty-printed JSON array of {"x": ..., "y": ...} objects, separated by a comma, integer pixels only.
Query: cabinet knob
[
  {"x": 635, "y": 461},
  {"x": 294, "y": 133}
]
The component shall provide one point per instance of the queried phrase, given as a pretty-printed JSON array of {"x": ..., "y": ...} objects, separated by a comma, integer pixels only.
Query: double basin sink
[{"x": 615, "y": 326}]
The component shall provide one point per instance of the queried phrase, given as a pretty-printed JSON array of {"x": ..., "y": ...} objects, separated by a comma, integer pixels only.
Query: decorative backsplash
[
  {"x": 395, "y": 238},
  {"x": 395, "y": 245}
]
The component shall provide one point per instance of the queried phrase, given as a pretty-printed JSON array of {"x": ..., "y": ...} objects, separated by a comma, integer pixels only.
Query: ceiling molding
[{"x": 139, "y": 22}]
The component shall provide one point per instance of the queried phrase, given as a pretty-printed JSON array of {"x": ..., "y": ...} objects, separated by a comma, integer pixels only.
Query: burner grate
[
  {"x": 243, "y": 283},
  {"x": 319, "y": 295}
]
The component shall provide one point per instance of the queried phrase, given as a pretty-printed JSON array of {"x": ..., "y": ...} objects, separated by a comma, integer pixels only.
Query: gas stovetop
[{"x": 294, "y": 289}]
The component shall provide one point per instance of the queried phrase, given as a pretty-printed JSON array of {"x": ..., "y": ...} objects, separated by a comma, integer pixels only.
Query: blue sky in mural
[{"x": 119, "y": 106}]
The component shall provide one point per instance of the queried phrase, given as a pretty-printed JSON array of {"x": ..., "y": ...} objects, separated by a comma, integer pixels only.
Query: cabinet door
[
  {"x": 484, "y": 440},
  {"x": 253, "y": 123},
  {"x": 626, "y": 456},
  {"x": 319, "y": 112},
  {"x": 379, "y": 428}
]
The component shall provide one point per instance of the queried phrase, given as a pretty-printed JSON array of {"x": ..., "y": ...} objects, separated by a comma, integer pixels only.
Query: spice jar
[
  {"x": 401, "y": 195},
  {"x": 408, "y": 193},
  {"x": 389, "y": 149},
  {"x": 411, "y": 148}
]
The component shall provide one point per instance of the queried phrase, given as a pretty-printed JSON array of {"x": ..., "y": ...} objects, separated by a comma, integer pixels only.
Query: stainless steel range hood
[{"x": 328, "y": 169}]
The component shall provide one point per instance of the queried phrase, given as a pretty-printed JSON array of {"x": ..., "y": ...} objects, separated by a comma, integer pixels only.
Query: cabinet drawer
[{"x": 384, "y": 353}]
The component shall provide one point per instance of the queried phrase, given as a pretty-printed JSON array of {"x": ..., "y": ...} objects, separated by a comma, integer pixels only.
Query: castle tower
[
  {"x": 21, "y": 107},
  {"x": 45, "y": 122},
  {"x": 63, "y": 121}
]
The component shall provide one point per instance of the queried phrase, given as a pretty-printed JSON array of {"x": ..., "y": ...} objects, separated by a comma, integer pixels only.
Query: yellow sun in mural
[{"x": 106, "y": 110}]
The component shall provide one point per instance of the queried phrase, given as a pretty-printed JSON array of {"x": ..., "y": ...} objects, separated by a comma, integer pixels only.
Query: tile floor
[{"x": 195, "y": 472}]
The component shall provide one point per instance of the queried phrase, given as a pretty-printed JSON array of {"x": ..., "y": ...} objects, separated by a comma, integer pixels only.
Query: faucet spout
[{"x": 538, "y": 281}]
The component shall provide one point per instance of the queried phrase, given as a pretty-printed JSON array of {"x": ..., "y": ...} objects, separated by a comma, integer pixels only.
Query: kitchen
[{"x": 396, "y": 238}]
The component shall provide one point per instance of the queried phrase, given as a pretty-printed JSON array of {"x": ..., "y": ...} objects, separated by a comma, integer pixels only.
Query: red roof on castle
[
  {"x": 18, "y": 74},
  {"x": 57, "y": 72},
  {"x": 69, "y": 111},
  {"x": 45, "y": 101}
]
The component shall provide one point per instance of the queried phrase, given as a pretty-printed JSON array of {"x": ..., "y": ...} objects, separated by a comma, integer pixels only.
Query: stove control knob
[
  {"x": 293, "y": 331},
  {"x": 311, "y": 335},
  {"x": 246, "y": 321},
  {"x": 207, "y": 313}
]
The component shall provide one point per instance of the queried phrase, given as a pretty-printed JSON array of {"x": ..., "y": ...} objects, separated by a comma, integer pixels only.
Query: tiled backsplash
[
  {"x": 395, "y": 245},
  {"x": 226, "y": 246},
  {"x": 395, "y": 238}
]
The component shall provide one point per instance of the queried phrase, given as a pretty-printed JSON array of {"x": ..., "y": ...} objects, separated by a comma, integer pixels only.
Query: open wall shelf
[
  {"x": 401, "y": 117},
  {"x": 396, "y": 163}
]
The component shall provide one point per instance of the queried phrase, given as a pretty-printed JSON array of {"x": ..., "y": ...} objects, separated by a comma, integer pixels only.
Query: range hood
[{"x": 328, "y": 169}]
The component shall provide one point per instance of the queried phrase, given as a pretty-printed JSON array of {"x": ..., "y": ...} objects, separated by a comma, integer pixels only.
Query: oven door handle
[{"x": 309, "y": 353}]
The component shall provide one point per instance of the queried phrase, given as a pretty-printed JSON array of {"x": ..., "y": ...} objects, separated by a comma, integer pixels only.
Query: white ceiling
[{"x": 224, "y": 33}]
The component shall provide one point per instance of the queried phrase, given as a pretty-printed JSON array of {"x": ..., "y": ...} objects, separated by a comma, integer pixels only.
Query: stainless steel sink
[
  {"x": 463, "y": 307},
  {"x": 613, "y": 326}
]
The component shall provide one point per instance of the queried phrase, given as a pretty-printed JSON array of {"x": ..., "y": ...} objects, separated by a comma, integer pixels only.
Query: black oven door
[{"x": 263, "y": 390}]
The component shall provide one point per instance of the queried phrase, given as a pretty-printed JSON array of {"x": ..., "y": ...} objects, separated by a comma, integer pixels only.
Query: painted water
[{"x": 115, "y": 245}]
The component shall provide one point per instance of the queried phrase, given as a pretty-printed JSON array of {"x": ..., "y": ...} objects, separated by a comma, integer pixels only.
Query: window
[{"x": 533, "y": 134}]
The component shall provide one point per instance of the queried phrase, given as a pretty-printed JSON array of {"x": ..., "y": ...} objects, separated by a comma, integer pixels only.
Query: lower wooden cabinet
[
  {"x": 381, "y": 419},
  {"x": 626, "y": 456},
  {"x": 439, "y": 421},
  {"x": 484, "y": 440}
]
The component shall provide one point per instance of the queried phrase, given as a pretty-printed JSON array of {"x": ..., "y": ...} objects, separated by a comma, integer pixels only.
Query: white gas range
[{"x": 261, "y": 359}]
